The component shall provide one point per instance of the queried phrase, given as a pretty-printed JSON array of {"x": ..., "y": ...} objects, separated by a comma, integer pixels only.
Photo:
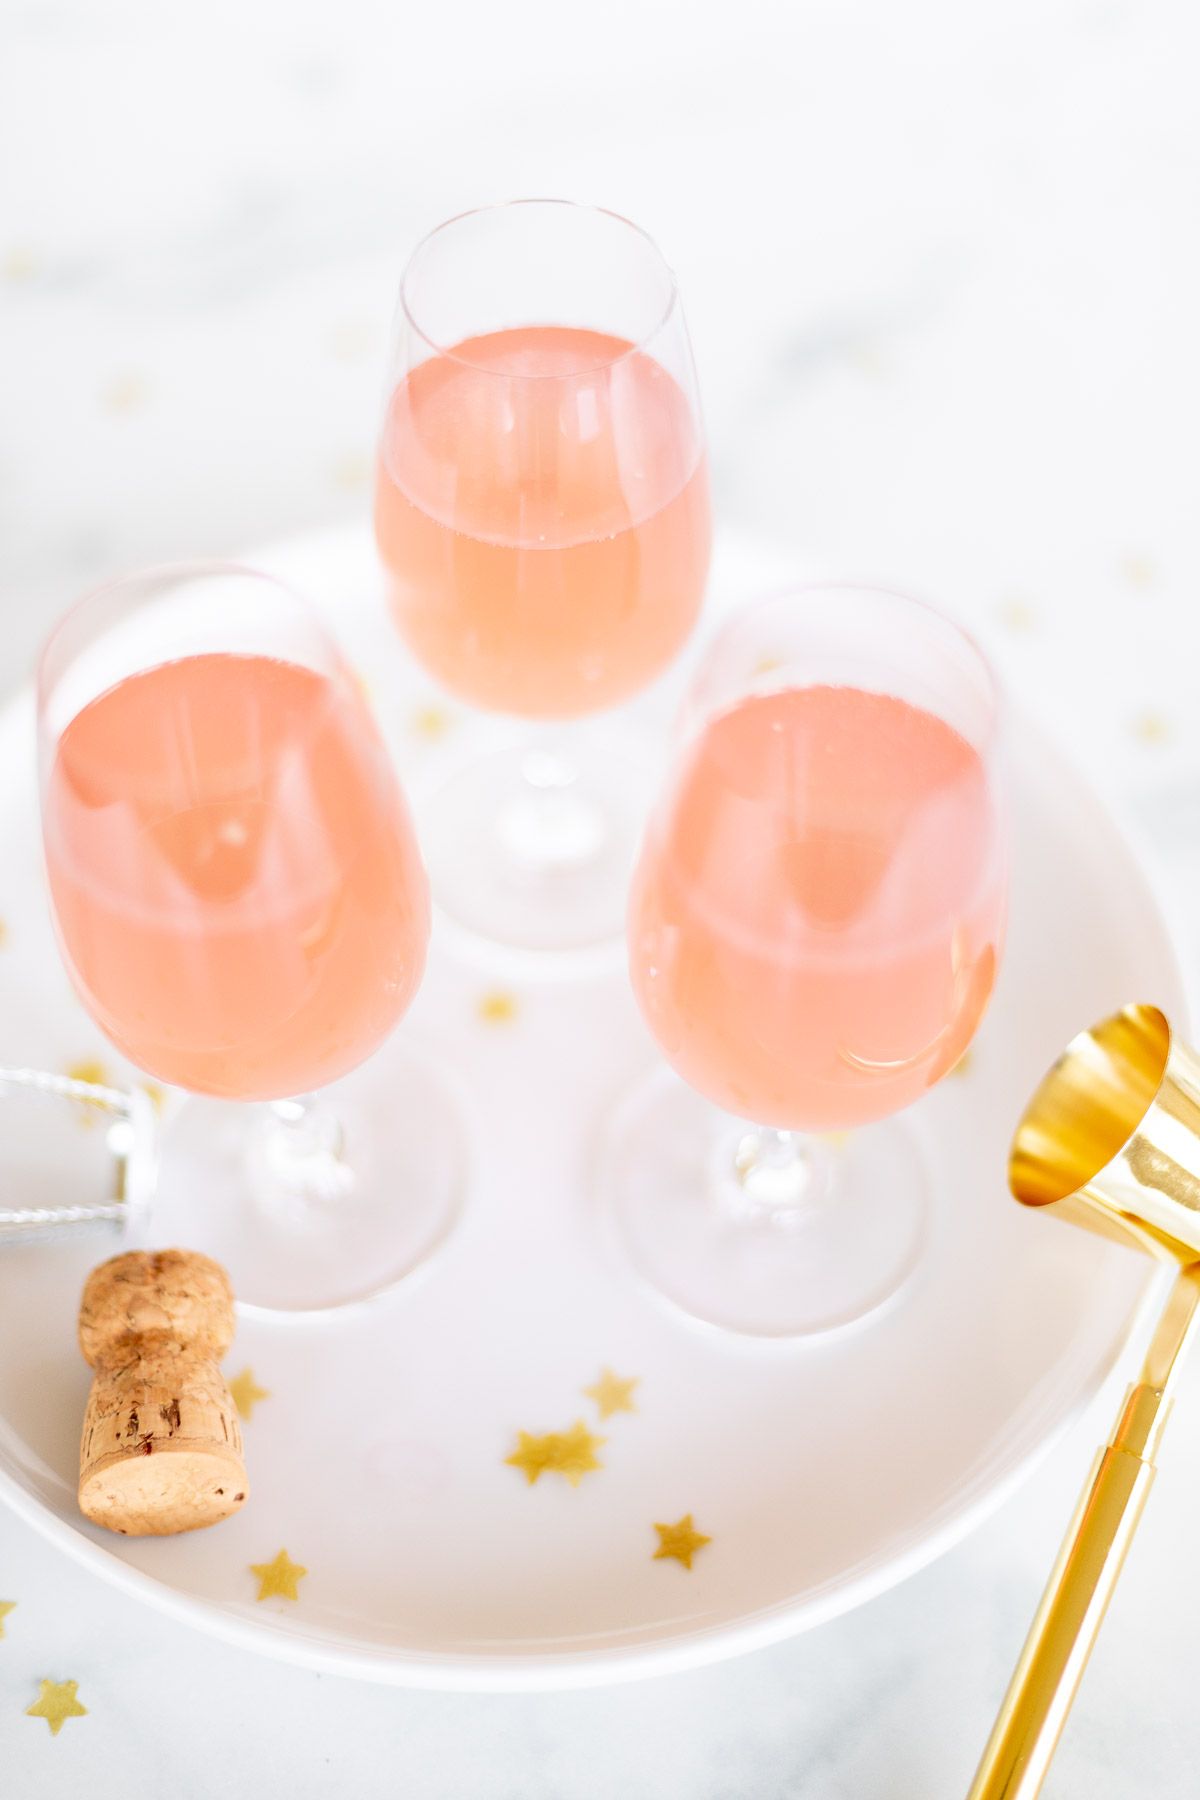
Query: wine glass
[
  {"x": 814, "y": 931},
  {"x": 240, "y": 903},
  {"x": 542, "y": 516}
]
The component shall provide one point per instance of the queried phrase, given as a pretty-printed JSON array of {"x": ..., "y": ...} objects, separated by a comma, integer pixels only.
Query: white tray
[{"x": 822, "y": 1471}]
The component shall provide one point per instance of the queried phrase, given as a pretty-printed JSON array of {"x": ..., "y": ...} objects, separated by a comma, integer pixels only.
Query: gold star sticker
[
  {"x": 6, "y": 1606},
  {"x": 680, "y": 1540},
  {"x": 568, "y": 1453},
  {"x": 430, "y": 722},
  {"x": 613, "y": 1393},
  {"x": 56, "y": 1704},
  {"x": 278, "y": 1577},
  {"x": 246, "y": 1393},
  {"x": 497, "y": 1008}
]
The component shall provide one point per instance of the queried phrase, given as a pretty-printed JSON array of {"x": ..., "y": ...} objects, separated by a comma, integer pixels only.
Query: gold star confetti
[
  {"x": 570, "y": 1453},
  {"x": 125, "y": 393},
  {"x": 90, "y": 1070},
  {"x": 613, "y": 1393},
  {"x": 497, "y": 1007},
  {"x": 246, "y": 1393},
  {"x": 680, "y": 1540},
  {"x": 431, "y": 722},
  {"x": 868, "y": 359},
  {"x": 767, "y": 665},
  {"x": 836, "y": 1140},
  {"x": 156, "y": 1095},
  {"x": 1016, "y": 615},
  {"x": 56, "y": 1704},
  {"x": 532, "y": 1455},
  {"x": 1138, "y": 570},
  {"x": 3, "y": 934},
  {"x": 278, "y": 1577},
  {"x": 20, "y": 263},
  {"x": 351, "y": 473},
  {"x": 574, "y": 1452},
  {"x": 1152, "y": 728},
  {"x": 6, "y": 1606},
  {"x": 963, "y": 1065},
  {"x": 352, "y": 340},
  {"x": 95, "y": 1074}
]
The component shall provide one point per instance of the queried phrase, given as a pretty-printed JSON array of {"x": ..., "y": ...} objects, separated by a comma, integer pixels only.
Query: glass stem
[
  {"x": 778, "y": 1177},
  {"x": 302, "y": 1151},
  {"x": 550, "y": 823}
]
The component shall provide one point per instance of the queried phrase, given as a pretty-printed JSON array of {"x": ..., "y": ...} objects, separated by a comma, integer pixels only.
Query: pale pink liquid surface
[
  {"x": 542, "y": 513},
  {"x": 237, "y": 888},
  {"x": 818, "y": 912}
]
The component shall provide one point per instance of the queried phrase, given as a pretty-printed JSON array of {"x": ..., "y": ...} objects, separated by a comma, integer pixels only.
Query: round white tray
[{"x": 822, "y": 1471}]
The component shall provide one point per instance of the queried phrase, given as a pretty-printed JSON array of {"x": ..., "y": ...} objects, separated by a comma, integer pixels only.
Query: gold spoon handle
[
  {"x": 1081, "y": 1584},
  {"x": 1062, "y": 1634}
]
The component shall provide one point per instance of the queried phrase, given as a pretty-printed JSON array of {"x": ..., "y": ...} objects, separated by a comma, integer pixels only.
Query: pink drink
[
  {"x": 238, "y": 892},
  {"x": 818, "y": 912},
  {"x": 542, "y": 512}
]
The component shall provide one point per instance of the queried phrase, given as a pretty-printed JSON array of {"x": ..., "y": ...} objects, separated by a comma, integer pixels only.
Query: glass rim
[
  {"x": 502, "y": 206},
  {"x": 901, "y": 599},
  {"x": 161, "y": 575},
  {"x": 336, "y": 668}
]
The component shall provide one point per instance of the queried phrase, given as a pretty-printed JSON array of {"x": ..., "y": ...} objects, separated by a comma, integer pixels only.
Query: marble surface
[{"x": 940, "y": 267}]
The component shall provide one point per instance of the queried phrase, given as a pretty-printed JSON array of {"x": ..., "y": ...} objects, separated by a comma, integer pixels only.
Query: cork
[{"x": 162, "y": 1447}]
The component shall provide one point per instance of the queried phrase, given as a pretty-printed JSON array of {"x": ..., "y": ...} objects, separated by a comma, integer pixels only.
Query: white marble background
[{"x": 940, "y": 263}]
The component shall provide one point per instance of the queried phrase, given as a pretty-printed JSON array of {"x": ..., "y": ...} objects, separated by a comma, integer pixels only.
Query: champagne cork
[{"x": 162, "y": 1448}]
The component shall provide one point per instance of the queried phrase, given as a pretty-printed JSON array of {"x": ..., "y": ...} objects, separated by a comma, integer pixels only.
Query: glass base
[
  {"x": 381, "y": 1191},
  {"x": 532, "y": 847},
  {"x": 772, "y": 1256}
]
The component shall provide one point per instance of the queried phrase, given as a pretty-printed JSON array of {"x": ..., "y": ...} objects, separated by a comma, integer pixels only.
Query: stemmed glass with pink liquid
[
  {"x": 814, "y": 932},
  {"x": 542, "y": 515},
  {"x": 241, "y": 906}
]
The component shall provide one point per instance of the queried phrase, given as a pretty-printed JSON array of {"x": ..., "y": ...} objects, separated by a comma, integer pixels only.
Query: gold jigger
[{"x": 1110, "y": 1140}]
